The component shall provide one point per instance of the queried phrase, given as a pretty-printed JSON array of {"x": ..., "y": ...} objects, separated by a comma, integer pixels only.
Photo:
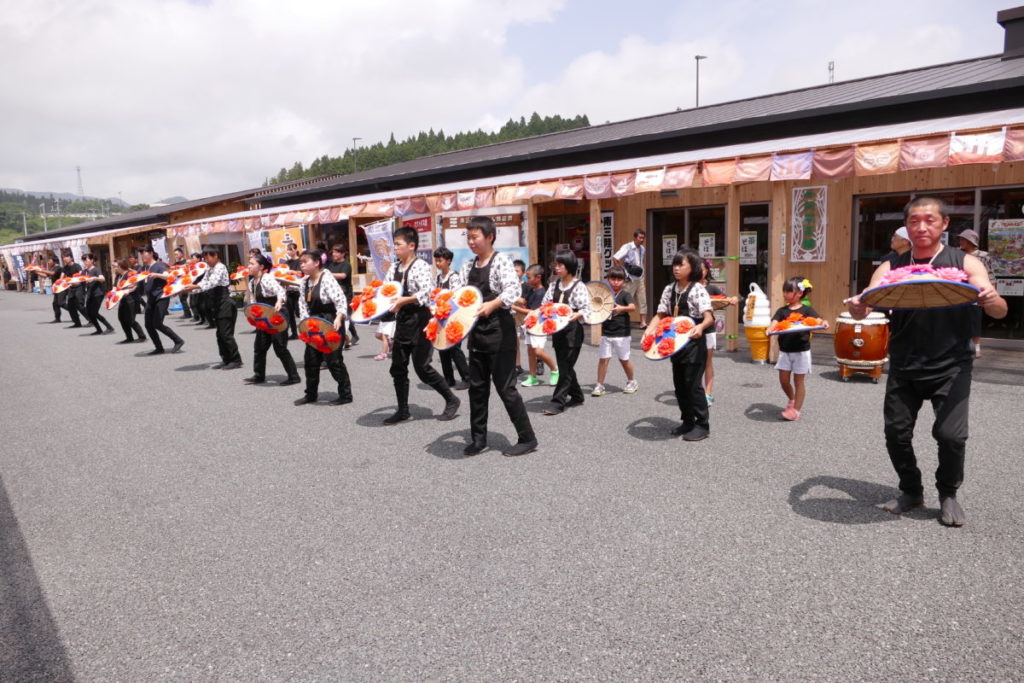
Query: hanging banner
[
  {"x": 924, "y": 153},
  {"x": 1013, "y": 150},
  {"x": 570, "y": 188},
  {"x": 598, "y": 187},
  {"x": 679, "y": 177},
  {"x": 280, "y": 239},
  {"x": 748, "y": 248},
  {"x": 607, "y": 240},
  {"x": 877, "y": 159},
  {"x": 832, "y": 163},
  {"x": 649, "y": 181},
  {"x": 981, "y": 148},
  {"x": 192, "y": 244},
  {"x": 808, "y": 225},
  {"x": 1006, "y": 247},
  {"x": 718, "y": 172},
  {"x": 753, "y": 169},
  {"x": 382, "y": 246},
  {"x": 792, "y": 166},
  {"x": 253, "y": 240}
]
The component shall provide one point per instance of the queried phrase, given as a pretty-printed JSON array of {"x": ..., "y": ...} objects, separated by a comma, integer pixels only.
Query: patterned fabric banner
[
  {"x": 403, "y": 207},
  {"x": 980, "y": 148},
  {"x": 679, "y": 177},
  {"x": 570, "y": 188},
  {"x": 753, "y": 169},
  {"x": 449, "y": 201},
  {"x": 466, "y": 199},
  {"x": 924, "y": 153},
  {"x": 485, "y": 198},
  {"x": 505, "y": 195},
  {"x": 382, "y": 248},
  {"x": 877, "y": 159},
  {"x": 649, "y": 181},
  {"x": 1013, "y": 150},
  {"x": 832, "y": 163},
  {"x": 545, "y": 189},
  {"x": 718, "y": 172},
  {"x": 598, "y": 187},
  {"x": 810, "y": 212},
  {"x": 623, "y": 184},
  {"x": 792, "y": 166}
]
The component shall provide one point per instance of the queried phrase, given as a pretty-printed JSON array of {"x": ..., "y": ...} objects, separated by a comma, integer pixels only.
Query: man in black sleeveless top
[{"x": 930, "y": 359}]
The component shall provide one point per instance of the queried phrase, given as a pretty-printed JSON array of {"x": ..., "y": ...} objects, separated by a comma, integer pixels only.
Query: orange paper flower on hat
[
  {"x": 313, "y": 326},
  {"x": 356, "y": 300},
  {"x": 430, "y": 331},
  {"x": 168, "y": 289},
  {"x": 453, "y": 332},
  {"x": 332, "y": 338},
  {"x": 547, "y": 310},
  {"x": 684, "y": 325},
  {"x": 376, "y": 283},
  {"x": 667, "y": 346},
  {"x": 389, "y": 290},
  {"x": 254, "y": 311},
  {"x": 369, "y": 292},
  {"x": 276, "y": 320},
  {"x": 664, "y": 326},
  {"x": 304, "y": 337},
  {"x": 369, "y": 308},
  {"x": 549, "y": 327},
  {"x": 563, "y": 310},
  {"x": 531, "y": 320},
  {"x": 446, "y": 295},
  {"x": 811, "y": 322},
  {"x": 442, "y": 309},
  {"x": 794, "y": 317},
  {"x": 647, "y": 342},
  {"x": 783, "y": 325},
  {"x": 323, "y": 349},
  {"x": 467, "y": 298}
]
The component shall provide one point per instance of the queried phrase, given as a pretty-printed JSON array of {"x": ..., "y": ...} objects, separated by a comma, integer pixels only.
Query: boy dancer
[
  {"x": 615, "y": 335},
  {"x": 156, "y": 306},
  {"x": 216, "y": 287},
  {"x": 533, "y": 295},
  {"x": 411, "y": 316},
  {"x": 492, "y": 341},
  {"x": 450, "y": 280}
]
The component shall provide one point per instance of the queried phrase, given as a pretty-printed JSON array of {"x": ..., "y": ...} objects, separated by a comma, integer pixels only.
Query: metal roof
[{"x": 944, "y": 81}]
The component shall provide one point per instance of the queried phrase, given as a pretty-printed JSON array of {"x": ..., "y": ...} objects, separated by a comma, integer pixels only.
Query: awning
[{"x": 68, "y": 241}]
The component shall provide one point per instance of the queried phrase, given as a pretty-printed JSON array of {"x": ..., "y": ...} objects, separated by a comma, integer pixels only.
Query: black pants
[
  {"x": 949, "y": 393},
  {"x": 419, "y": 351},
  {"x": 497, "y": 366},
  {"x": 156, "y": 311},
  {"x": 92, "y": 313},
  {"x": 195, "y": 300},
  {"x": 688, "y": 380},
  {"x": 56, "y": 307},
  {"x": 71, "y": 304},
  {"x": 292, "y": 304},
  {"x": 453, "y": 356},
  {"x": 280, "y": 343},
  {"x": 568, "y": 388},
  {"x": 126, "y": 316},
  {"x": 352, "y": 327},
  {"x": 336, "y": 366},
  {"x": 227, "y": 314},
  {"x": 186, "y": 312}
]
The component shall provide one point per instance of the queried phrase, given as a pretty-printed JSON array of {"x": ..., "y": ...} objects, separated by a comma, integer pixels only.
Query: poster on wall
[
  {"x": 424, "y": 227},
  {"x": 510, "y": 238},
  {"x": 280, "y": 239},
  {"x": 382, "y": 247},
  {"x": 254, "y": 240},
  {"x": 1006, "y": 247},
  {"x": 607, "y": 238},
  {"x": 809, "y": 223},
  {"x": 748, "y": 248},
  {"x": 669, "y": 246},
  {"x": 706, "y": 244}
]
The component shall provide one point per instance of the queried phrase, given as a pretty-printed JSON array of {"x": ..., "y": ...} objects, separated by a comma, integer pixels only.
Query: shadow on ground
[{"x": 848, "y": 501}]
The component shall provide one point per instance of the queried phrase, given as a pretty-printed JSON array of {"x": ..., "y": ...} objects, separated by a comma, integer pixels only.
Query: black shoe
[
  {"x": 555, "y": 409},
  {"x": 461, "y": 386},
  {"x": 521, "y": 448},
  {"x": 903, "y": 503},
  {"x": 254, "y": 380},
  {"x": 399, "y": 416},
  {"x": 54, "y": 322},
  {"x": 96, "y": 333},
  {"x": 289, "y": 381},
  {"x": 952, "y": 514},
  {"x": 126, "y": 341},
  {"x": 573, "y": 404},
  {"x": 340, "y": 401},
  {"x": 697, "y": 434},
  {"x": 451, "y": 409},
  {"x": 234, "y": 365},
  {"x": 109, "y": 330},
  {"x": 519, "y": 370},
  {"x": 71, "y": 327},
  {"x": 155, "y": 352},
  {"x": 177, "y": 347},
  {"x": 292, "y": 336},
  {"x": 217, "y": 366},
  {"x": 140, "y": 340},
  {"x": 347, "y": 347},
  {"x": 304, "y": 400},
  {"x": 474, "y": 449},
  {"x": 682, "y": 429}
]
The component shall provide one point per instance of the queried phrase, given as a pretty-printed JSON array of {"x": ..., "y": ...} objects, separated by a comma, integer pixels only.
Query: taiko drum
[{"x": 862, "y": 345}]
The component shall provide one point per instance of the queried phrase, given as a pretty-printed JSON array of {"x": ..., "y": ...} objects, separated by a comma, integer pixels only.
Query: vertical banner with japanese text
[
  {"x": 809, "y": 223},
  {"x": 382, "y": 247},
  {"x": 607, "y": 240}
]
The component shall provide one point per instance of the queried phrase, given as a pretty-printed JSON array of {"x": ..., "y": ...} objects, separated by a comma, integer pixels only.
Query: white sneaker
[
  {"x": 631, "y": 387},
  {"x": 599, "y": 390}
]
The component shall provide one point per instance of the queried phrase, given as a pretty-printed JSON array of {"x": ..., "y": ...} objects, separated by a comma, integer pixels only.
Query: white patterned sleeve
[
  {"x": 331, "y": 291},
  {"x": 271, "y": 287},
  {"x": 303, "y": 307},
  {"x": 215, "y": 277},
  {"x": 549, "y": 294},
  {"x": 420, "y": 282},
  {"x": 504, "y": 280},
  {"x": 466, "y": 267},
  {"x": 581, "y": 299},
  {"x": 699, "y": 300},
  {"x": 666, "y": 301},
  {"x": 455, "y": 281}
]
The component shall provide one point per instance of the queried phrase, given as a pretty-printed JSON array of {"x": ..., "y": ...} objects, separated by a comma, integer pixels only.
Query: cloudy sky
[{"x": 155, "y": 98}]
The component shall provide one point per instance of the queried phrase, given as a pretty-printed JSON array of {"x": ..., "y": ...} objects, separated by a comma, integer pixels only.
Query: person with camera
[{"x": 631, "y": 257}]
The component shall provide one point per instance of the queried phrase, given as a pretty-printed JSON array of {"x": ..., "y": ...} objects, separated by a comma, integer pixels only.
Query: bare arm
[{"x": 988, "y": 298}]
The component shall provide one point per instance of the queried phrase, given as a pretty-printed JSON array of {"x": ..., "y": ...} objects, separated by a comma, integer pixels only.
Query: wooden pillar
[
  {"x": 732, "y": 267},
  {"x": 596, "y": 258},
  {"x": 778, "y": 248},
  {"x": 357, "y": 280},
  {"x": 531, "y": 231}
]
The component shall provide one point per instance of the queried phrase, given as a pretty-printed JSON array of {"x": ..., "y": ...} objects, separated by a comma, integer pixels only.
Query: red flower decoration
[
  {"x": 794, "y": 317},
  {"x": 664, "y": 326},
  {"x": 547, "y": 309},
  {"x": 276, "y": 320},
  {"x": 442, "y": 309},
  {"x": 683, "y": 325},
  {"x": 783, "y": 325},
  {"x": 531, "y": 320},
  {"x": 431, "y": 330},
  {"x": 332, "y": 338},
  {"x": 255, "y": 311},
  {"x": 305, "y": 337},
  {"x": 549, "y": 327},
  {"x": 323, "y": 349},
  {"x": 667, "y": 346},
  {"x": 563, "y": 310},
  {"x": 389, "y": 290},
  {"x": 168, "y": 289},
  {"x": 313, "y": 326},
  {"x": 811, "y": 322},
  {"x": 453, "y": 332},
  {"x": 376, "y": 283},
  {"x": 434, "y": 292},
  {"x": 369, "y": 308},
  {"x": 647, "y": 342},
  {"x": 467, "y": 298},
  {"x": 445, "y": 295},
  {"x": 356, "y": 300}
]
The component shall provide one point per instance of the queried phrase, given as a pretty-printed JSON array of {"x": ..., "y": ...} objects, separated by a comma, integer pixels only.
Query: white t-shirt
[{"x": 630, "y": 253}]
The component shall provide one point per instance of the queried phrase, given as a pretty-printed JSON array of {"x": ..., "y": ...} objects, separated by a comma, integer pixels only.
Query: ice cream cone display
[
  {"x": 320, "y": 334},
  {"x": 796, "y": 322},
  {"x": 921, "y": 286},
  {"x": 265, "y": 318},
  {"x": 375, "y": 301},
  {"x": 757, "y": 317},
  {"x": 669, "y": 338},
  {"x": 548, "y": 319},
  {"x": 602, "y": 301},
  {"x": 454, "y": 314},
  {"x": 112, "y": 298}
]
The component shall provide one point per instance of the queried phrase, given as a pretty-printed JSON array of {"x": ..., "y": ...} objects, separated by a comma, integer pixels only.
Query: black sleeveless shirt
[{"x": 933, "y": 339}]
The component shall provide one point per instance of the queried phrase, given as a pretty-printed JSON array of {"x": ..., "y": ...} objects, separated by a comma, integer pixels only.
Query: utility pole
[
  {"x": 42, "y": 212},
  {"x": 355, "y": 163},
  {"x": 831, "y": 71},
  {"x": 696, "y": 59},
  {"x": 81, "y": 192},
  {"x": 24, "y": 223}
]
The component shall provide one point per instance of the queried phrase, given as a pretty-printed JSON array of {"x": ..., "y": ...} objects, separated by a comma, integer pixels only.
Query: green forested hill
[{"x": 424, "y": 144}]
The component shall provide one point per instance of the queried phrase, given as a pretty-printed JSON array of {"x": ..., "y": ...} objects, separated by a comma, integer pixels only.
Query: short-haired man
[
  {"x": 930, "y": 359},
  {"x": 156, "y": 303},
  {"x": 217, "y": 286},
  {"x": 632, "y": 257}
]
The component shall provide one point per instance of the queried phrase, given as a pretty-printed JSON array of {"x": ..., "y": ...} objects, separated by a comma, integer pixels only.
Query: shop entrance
[
  {"x": 569, "y": 231},
  {"x": 701, "y": 228},
  {"x": 754, "y": 223}
]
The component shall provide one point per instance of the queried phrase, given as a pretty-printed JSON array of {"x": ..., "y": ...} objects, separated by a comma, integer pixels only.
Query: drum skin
[{"x": 861, "y": 345}]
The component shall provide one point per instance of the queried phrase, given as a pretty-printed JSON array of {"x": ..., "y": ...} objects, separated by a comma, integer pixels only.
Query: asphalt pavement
[{"x": 159, "y": 521}]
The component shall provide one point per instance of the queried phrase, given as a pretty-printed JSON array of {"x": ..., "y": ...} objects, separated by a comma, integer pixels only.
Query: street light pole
[
  {"x": 355, "y": 162},
  {"x": 42, "y": 212},
  {"x": 696, "y": 59},
  {"x": 24, "y": 223}
]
